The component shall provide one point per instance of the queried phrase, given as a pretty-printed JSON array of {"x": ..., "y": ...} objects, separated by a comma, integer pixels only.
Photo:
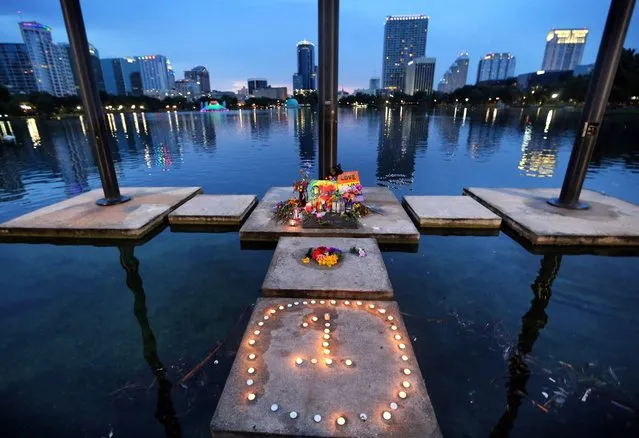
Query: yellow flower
[{"x": 306, "y": 260}]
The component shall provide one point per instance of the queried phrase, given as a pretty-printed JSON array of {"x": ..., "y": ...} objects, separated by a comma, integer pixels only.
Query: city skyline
[{"x": 487, "y": 29}]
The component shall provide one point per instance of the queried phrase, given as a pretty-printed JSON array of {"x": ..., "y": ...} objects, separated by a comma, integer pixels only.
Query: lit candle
[
  {"x": 326, "y": 351},
  {"x": 328, "y": 324},
  {"x": 404, "y": 357},
  {"x": 406, "y": 384},
  {"x": 313, "y": 301},
  {"x": 372, "y": 306},
  {"x": 386, "y": 415},
  {"x": 313, "y": 361},
  {"x": 347, "y": 302},
  {"x": 325, "y": 344},
  {"x": 359, "y": 303},
  {"x": 327, "y": 336},
  {"x": 296, "y": 303},
  {"x": 328, "y": 361},
  {"x": 393, "y": 327},
  {"x": 407, "y": 371},
  {"x": 393, "y": 405},
  {"x": 322, "y": 301},
  {"x": 382, "y": 311},
  {"x": 402, "y": 394},
  {"x": 281, "y": 307},
  {"x": 398, "y": 337},
  {"x": 348, "y": 362},
  {"x": 261, "y": 323},
  {"x": 272, "y": 311},
  {"x": 256, "y": 332},
  {"x": 305, "y": 324},
  {"x": 299, "y": 361},
  {"x": 251, "y": 370},
  {"x": 251, "y": 356},
  {"x": 327, "y": 316},
  {"x": 327, "y": 330},
  {"x": 390, "y": 318},
  {"x": 314, "y": 318},
  {"x": 305, "y": 302},
  {"x": 333, "y": 302},
  {"x": 266, "y": 317},
  {"x": 341, "y": 421},
  {"x": 249, "y": 382},
  {"x": 292, "y": 222},
  {"x": 402, "y": 346},
  {"x": 251, "y": 342},
  {"x": 251, "y": 396}
]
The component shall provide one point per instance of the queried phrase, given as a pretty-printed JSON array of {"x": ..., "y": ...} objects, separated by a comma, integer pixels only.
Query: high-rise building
[
  {"x": 305, "y": 76},
  {"x": 420, "y": 74},
  {"x": 16, "y": 73},
  {"x": 374, "y": 84},
  {"x": 43, "y": 56},
  {"x": 64, "y": 75},
  {"x": 564, "y": 49},
  {"x": 201, "y": 75},
  {"x": 256, "y": 84},
  {"x": 96, "y": 67},
  {"x": 496, "y": 67},
  {"x": 156, "y": 79},
  {"x": 171, "y": 73},
  {"x": 404, "y": 40},
  {"x": 272, "y": 92},
  {"x": 122, "y": 76},
  {"x": 455, "y": 77},
  {"x": 187, "y": 88}
]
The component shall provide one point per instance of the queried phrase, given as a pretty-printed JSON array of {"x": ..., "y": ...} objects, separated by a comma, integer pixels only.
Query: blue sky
[{"x": 244, "y": 38}]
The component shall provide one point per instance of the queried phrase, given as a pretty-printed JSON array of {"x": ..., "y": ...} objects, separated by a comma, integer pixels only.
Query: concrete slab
[
  {"x": 354, "y": 277},
  {"x": 369, "y": 334},
  {"x": 80, "y": 217},
  {"x": 609, "y": 222},
  {"x": 449, "y": 212},
  {"x": 214, "y": 210},
  {"x": 390, "y": 224}
]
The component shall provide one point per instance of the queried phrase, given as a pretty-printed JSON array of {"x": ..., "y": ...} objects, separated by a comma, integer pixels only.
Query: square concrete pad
[
  {"x": 609, "y": 222},
  {"x": 214, "y": 210},
  {"x": 80, "y": 217},
  {"x": 390, "y": 223},
  {"x": 354, "y": 277},
  {"x": 358, "y": 333},
  {"x": 450, "y": 212}
]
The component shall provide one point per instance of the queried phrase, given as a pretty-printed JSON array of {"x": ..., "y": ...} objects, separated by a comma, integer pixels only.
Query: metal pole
[
  {"x": 328, "y": 26},
  {"x": 601, "y": 82},
  {"x": 91, "y": 101}
]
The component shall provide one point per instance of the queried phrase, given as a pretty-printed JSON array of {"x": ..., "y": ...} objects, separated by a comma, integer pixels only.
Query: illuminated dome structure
[
  {"x": 292, "y": 103},
  {"x": 213, "y": 106}
]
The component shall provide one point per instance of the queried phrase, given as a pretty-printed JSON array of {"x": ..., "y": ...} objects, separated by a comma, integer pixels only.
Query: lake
[{"x": 84, "y": 330}]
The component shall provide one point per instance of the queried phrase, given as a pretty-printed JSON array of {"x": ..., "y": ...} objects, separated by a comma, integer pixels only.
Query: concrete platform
[
  {"x": 609, "y": 222},
  {"x": 354, "y": 277},
  {"x": 449, "y": 212},
  {"x": 390, "y": 224},
  {"x": 218, "y": 210},
  {"x": 81, "y": 218},
  {"x": 366, "y": 375}
]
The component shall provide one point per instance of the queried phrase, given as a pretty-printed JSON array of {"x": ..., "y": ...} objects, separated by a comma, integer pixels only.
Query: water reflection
[
  {"x": 531, "y": 325},
  {"x": 401, "y": 135},
  {"x": 304, "y": 124},
  {"x": 165, "y": 412},
  {"x": 538, "y": 156}
]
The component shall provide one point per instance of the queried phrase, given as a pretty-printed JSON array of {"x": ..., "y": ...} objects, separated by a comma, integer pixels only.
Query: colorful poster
[
  {"x": 348, "y": 179},
  {"x": 321, "y": 189}
]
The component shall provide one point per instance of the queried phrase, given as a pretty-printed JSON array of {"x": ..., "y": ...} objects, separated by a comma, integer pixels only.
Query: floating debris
[
  {"x": 545, "y": 394},
  {"x": 586, "y": 394},
  {"x": 622, "y": 406}
]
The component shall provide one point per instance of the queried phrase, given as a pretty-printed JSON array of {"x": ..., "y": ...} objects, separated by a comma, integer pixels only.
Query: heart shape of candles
[{"x": 319, "y": 320}]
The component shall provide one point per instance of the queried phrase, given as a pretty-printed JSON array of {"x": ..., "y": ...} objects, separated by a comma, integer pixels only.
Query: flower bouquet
[
  {"x": 323, "y": 256},
  {"x": 285, "y": 210}
]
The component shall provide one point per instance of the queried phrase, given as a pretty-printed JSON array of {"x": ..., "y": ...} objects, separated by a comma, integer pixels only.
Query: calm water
[{"x": 84, "y": 330}]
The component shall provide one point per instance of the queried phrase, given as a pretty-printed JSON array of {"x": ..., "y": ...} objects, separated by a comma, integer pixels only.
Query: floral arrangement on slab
[
  {"x": 285, "y": 210},
  {"x": 323, "y": 256},
  {"x": 301, "y": 186},
  {"x": 358, "y": 251}
]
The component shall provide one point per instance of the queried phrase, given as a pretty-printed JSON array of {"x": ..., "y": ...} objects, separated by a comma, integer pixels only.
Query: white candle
[
  {"x": 281, "y": 307},
  {"x": 313, "y": 301},
  {"x": 261, "y": 323},
  {"x": 314, "y": 318},
  {"x": 327, "y": 351},
  {"x": 251, "y": 370},
  {"x": 293, "y": 415},
  {"x": 327, "y": 336},
  {"x": 406, "y": 384},
  {"x": 402, "y": 394},
  {"x": 251, "y": 396},
  {"x": 299, "y": 361},
  {"x": 348, "y": 362},
  {"x": 382, "y": 311},
  {"x": 386, "y": 415},
  {"x": 402, "y": 346},
  {"x": 393, "y": 327},
  {"x": 322, "y": 301},
  {"x": 359, "y": 303},
  {"x": 341, "y": 421},
  {"x": 327, "y": 331},
  {"x": 251, "y": 356},
  {"x": 372, "y": 306},
  {"x": 256, "y": 332},
  {"x": 317, "y": 418},
  {"x": 393, "y": 405},
  {"x": 404, "y": 357},
  {"x": 328, "y": 361},
  {"x": 390, "y": 317},
  {"x": 398, "y": 337},
  {"x": 313, "y": 360},
  {"x": 406, "y": 371},
  {"x": 325, "y": 344},
  {"x": 328, "y": 324},
  {"x": 347, "y": 302},
  {"x": 305, "y": 324},
  {"x": 333, "y": 302},
  {"x": 249, "y": 382},
  {"x": 272, "y": 311},
  {"x": 251, "y": 341}
]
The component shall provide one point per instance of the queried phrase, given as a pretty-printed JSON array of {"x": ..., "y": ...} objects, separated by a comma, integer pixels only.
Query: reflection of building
[
  {"x": 538, "y": 158},
  {"x": 496, "y": 67},
  {"x": 122, "y": 76},
  {"x": 199, "y": 75},
  {"x": 404, "y": 40},
  {"x": 564, "y": 49},
  {"x": 304, "y": 128},
  {"x": 484, "y": 139},
  {"x": 420, "y": 74},
  {"x": 401, "y": 134},
  {"x": 16, "y": 73},
  {"x": 304, "y": 78},
  {"x": 271, "y": 93},
  {"x": 456, "y": 75},
  {"x": 50, "y": 62},
  {"x": 256, "y": 84},
  {"x": 73, "y": 155}
]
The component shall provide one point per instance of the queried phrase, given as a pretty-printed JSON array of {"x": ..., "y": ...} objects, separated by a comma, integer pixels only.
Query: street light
[
  {"x": 466, "y": 99},
  {"x": 554, "y": 95}
]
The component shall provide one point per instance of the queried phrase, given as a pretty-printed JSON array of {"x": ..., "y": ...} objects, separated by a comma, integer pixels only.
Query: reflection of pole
[
  {"x": 531, "y": 325},
  {"x": 601, "y": 82},
  {"x": 328, "y": 27},
  {"x": 164, "y": 411},
  {"x": 91, "y": 100}
]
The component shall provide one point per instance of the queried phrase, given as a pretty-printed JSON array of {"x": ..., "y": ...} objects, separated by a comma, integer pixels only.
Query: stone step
[
  {"x": 80, "y": 218},
  {"x": 389, "y": 223},
  {"x": 214, "y": 210},
  {"x": 354, "y": 277},
  {"x": 460, "y": 212},
  {"x": 315, "y": 367}
]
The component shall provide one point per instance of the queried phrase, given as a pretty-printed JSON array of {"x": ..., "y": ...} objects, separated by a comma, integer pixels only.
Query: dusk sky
[{"x": 256, "y": 38}]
